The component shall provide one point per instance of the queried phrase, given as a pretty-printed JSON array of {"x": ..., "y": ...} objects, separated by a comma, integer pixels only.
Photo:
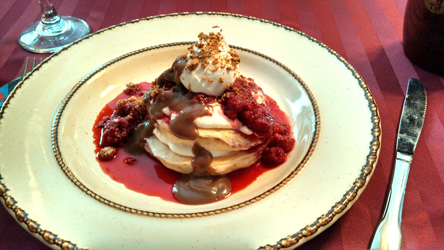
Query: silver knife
[{"x": 388, "y": 233}]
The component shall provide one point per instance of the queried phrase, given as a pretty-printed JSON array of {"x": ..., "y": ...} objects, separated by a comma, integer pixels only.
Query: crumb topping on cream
[{"x": 211, "y": 65}]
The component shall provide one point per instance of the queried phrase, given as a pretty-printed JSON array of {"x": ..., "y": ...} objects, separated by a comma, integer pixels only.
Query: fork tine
[
  {"x": 33, "y": 64},
  {"x": 25, "y": 69}
]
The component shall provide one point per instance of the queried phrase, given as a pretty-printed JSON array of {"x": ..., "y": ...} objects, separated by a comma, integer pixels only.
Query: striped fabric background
[{"x": 367, "y": 33}]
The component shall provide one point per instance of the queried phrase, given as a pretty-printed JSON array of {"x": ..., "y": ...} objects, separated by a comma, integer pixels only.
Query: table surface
[{"x": 366, "y": 33}]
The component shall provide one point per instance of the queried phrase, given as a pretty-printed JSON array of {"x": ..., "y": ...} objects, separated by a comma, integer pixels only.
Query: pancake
[{"x": 219, "y": 165}]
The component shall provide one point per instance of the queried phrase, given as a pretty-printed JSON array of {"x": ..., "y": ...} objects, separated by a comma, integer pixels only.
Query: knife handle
[{"x": 388, "y": 233}]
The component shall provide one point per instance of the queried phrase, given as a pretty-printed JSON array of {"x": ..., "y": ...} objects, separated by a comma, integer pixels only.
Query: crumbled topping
[
  {"x": 192, "y": 64},
  {"x": 154, "y": 91},
  {"x": 207, "y": 50},
  {"x": 122, "y": 102},
  {"x": 116, "y": 129},
  {"x": 107, "y": 153},
  {"x": 132, "y": 89}
]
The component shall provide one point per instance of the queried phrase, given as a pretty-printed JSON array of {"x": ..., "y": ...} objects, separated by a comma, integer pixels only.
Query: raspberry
[
  {"x": 273, "y": 156},
  {"x": 281, "y": 128},
  {"x": 284, "y": 142},
  {"x": 239, "y": 102}
]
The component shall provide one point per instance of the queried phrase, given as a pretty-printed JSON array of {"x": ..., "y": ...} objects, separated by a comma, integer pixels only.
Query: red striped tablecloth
[{"x": 367, "y": 33}]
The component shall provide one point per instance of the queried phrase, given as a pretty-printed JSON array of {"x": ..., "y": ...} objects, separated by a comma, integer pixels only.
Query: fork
[
  {"x": 25, "y": 71},
  {"x": 11, "y": 85}
]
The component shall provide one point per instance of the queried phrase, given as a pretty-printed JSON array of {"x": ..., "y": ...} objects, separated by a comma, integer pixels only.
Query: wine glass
[{"x": 52, "y": 32}]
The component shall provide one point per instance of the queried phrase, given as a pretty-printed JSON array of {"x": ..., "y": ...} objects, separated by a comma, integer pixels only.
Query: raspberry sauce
[{"x": 144, "y": 174}]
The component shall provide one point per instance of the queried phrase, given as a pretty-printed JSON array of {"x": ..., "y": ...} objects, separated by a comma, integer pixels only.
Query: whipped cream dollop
[{"x": 211, "y": 65}]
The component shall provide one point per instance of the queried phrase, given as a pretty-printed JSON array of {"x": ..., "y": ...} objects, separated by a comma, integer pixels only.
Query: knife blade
[{"x": 388, "y": 233}]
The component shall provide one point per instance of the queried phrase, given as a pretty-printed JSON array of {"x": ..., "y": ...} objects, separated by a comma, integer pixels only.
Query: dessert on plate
[{"x": 201, "y": 118}]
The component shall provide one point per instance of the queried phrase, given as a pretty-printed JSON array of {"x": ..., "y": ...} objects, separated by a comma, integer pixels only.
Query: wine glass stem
[{"x": 49, "y": 13}]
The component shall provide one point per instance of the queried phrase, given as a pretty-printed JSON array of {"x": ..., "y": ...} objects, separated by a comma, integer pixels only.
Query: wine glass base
[{"x": 41, "y": 38}]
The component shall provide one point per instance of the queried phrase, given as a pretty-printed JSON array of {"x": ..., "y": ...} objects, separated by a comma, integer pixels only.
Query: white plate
[{"x": 41, "y": 196}]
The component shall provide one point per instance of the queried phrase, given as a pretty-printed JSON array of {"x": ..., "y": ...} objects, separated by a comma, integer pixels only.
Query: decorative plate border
[
  {"x": 79, "y": 184},
  {"x": 287, "y": 241},
  {"x": 33, "y": 226}
]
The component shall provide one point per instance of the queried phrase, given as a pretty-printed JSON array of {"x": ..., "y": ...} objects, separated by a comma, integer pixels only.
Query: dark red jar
[{"x": 424, "y": 34}]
